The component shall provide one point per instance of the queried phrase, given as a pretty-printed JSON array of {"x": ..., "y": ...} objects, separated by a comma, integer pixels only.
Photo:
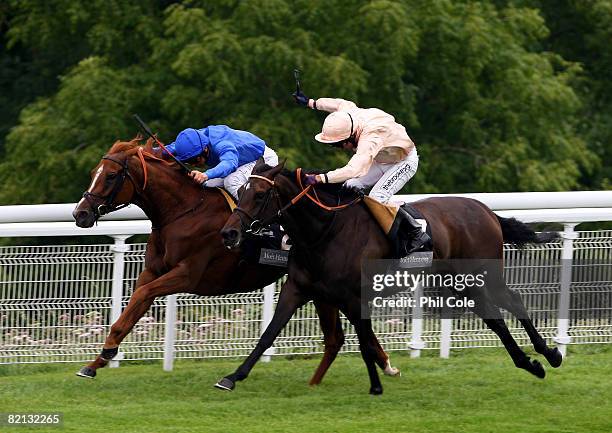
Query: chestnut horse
[
  {"x": 185, "y": 252},
  {"x": 330, "y": 246}
]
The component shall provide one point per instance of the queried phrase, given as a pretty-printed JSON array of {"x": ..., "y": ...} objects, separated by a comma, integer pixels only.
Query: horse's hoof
[
  {"x": 87, "y": 372},
  {"x": 392, "y": 371},
  {"x": 536, "y": 369},
  {"x": 554, "y": 358},
  {"x": 225, "y": 384},
  {"x": 376, "y": 390}
]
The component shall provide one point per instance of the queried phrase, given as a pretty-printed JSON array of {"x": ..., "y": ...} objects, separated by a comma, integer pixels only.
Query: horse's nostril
[
  {"x": 229, "y": 234},
  {"x": 82, "y": 214}
]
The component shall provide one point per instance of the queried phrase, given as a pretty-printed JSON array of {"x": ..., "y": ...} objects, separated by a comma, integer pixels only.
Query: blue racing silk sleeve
[{"x": 228, "y": 160}]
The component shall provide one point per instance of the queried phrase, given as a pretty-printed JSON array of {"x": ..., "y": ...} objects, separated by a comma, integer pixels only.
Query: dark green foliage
[{"x": 498, "y": 96}]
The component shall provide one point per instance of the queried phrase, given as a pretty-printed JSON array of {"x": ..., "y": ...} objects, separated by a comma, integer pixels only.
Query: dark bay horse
[
  {"x": 185, "y": 252},
  {"x": 330, "y": 247}
]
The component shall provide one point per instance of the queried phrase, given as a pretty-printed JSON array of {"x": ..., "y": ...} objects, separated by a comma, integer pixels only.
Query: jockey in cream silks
[{"x": 385, "y": 158}]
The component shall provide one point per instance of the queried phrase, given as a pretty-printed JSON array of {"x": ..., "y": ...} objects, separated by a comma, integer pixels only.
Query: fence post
[
  {"x": 446, "y": 326},
  {"x": 169, "y": 332},
  {"x": 416, "y": 342},
  {"x": 266, "y": 317},
  {"x": 119, "y": 248},
  {"x": 567, "y": 255}
]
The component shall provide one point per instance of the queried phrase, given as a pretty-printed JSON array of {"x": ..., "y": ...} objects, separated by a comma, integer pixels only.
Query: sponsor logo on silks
[
  {"x": 417, "y": 259},
  {"x": 396, "y": 176},
  {"x": 274, "y": 257}
]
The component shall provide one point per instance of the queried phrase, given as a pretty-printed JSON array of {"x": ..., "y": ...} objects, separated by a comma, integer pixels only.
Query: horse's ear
[
  {"x": 149, "y": 145},
  {"x": 276, "y": 170},
  {"x": 260, "y": 161}
]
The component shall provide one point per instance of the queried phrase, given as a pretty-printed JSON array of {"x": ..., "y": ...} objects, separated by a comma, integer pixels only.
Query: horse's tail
[{"x": 516, "y": 232}]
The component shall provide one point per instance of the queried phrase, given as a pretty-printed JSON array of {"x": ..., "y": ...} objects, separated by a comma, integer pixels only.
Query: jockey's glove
[
  {"x": 310, "y": 179},
  {"x": 300, "y": 98}
]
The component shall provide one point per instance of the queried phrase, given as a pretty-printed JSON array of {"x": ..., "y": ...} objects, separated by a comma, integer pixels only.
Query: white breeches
[
  {"x": 233, "y": 181},
  {"x": 387, "y": 179}
]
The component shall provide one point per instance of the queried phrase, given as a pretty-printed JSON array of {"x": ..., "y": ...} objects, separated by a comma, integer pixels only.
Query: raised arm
[
  {"x": 324, "y": 104},
  {"x": 331, "y": 104}
]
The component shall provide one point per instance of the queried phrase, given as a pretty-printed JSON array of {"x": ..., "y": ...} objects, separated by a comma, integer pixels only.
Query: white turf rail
[
  {"x": 561, "y": 207},
  {"x": 59, "y": 300}
]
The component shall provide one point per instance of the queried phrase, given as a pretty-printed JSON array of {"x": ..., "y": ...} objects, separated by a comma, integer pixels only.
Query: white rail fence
[{"x": 57, "y": 302}]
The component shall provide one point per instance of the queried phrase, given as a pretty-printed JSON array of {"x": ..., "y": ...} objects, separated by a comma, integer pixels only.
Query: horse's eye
[
  {"x": 111, "y": 175},
  {"x": 259, "y": 195}
]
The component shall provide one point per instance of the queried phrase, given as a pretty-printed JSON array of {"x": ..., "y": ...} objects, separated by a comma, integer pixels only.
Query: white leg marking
[{"x": 391, "y": 371}]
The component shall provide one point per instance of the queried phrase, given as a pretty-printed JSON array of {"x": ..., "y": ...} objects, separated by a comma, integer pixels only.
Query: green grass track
[{"x": 473, "y": 391}]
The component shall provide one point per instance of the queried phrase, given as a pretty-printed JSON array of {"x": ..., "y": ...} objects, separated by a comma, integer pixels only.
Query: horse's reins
[
  {"x": 108, "y": 206},
  {"x": 256, "y": 225}
]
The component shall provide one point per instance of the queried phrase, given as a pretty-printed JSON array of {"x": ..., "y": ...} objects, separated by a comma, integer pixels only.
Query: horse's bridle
[
  {"x": 108, "y": 206},
  {"x": 256, "y": 225}
]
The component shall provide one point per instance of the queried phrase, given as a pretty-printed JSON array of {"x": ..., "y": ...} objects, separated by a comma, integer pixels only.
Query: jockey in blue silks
[{"x": 230, "y": 155}]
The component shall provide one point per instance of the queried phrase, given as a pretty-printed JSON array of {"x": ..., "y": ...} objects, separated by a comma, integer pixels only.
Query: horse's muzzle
[
  {"x": 84, "y": 218},
  {"x": 231, "y": 238}
]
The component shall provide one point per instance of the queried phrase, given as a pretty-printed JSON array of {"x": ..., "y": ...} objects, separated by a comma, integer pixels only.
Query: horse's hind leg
[
  {"x": 511, "y": 301},
  {"x": 492, "y": 317},
  {"x": 333, "y": 338}
]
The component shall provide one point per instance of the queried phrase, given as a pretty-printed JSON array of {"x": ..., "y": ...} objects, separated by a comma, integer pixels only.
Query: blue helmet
[{"x": 188, "y": 144}]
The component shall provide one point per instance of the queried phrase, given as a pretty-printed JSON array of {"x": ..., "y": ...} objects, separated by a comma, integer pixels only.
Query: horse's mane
[
  {"x": 335, "y": 190},
  {"x": 131, "y": 147}
]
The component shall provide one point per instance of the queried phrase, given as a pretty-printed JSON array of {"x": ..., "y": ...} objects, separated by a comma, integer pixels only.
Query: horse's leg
[
  {"x": 290, "y": 299},
  {"x": 106, "y": 355},
  {"x": 492, "y": 317},
  {"x": 363, "y": 328},
  {"x": 383, "y": 361},
  {"x": 511, "y": 301},
  {"x": 179, "y": 279},
  {"x": 333, "y": 337}
]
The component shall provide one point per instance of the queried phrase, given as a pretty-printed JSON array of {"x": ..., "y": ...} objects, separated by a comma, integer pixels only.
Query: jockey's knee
[
  {"x": 214, "y": 183},
  {"x": 354, "y": 183},
  {"x": 232, "y": 184},
  {"x": 380, "y": 195},
  {"x": 270, "y": 157}
]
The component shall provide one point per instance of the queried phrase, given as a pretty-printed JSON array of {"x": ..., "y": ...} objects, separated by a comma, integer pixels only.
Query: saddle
[
  {"x": 228, "y": 198},
  {"x": 393, "y": 221}
]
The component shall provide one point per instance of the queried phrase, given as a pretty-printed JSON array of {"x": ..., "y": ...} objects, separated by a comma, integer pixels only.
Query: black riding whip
[
  {"x": 148, "y": 131},
  {"x": 296, "y": 75}
]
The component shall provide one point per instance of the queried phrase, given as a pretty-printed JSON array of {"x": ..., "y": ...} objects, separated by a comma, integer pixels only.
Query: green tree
[{"x": 490, "y": 103}]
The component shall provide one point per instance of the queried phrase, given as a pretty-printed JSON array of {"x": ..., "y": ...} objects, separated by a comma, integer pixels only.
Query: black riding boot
[{"x": 412, "y": 231}]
